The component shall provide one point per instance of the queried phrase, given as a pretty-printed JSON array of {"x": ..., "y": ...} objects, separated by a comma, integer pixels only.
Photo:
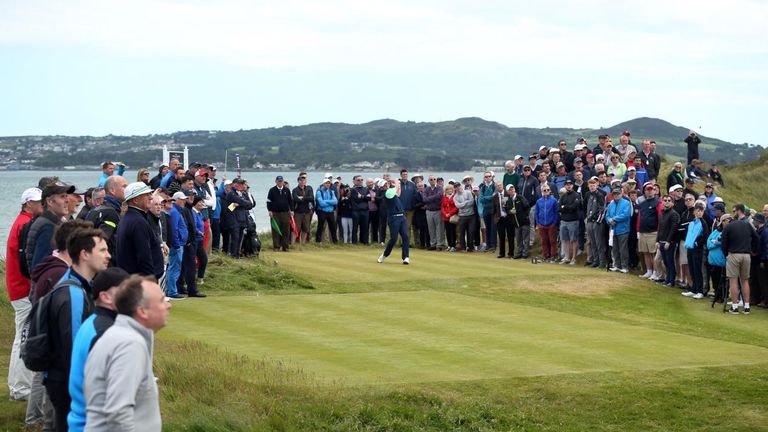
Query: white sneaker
[
  {"x": 614, "y": 269},
  {"x": 407, "y": 260},
  {"x": 624, "y": 270},
  {"x": 688, "y": 293},
  {"x": 646, "y": 275},
  {"x": 573, "y": 261},
  {"x": 698, "y": 296},
  {"x": 654, "y": 276},
  {"x": 380, "y": 259}
]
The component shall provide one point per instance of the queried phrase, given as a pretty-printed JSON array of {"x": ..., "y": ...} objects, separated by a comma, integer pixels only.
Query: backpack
[
  {"x": 23, "y": 236},
  {"x": 37, "y": 348}
]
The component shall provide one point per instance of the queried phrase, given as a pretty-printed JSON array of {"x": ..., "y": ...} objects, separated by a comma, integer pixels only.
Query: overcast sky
[{"x": 95, "y": 67}]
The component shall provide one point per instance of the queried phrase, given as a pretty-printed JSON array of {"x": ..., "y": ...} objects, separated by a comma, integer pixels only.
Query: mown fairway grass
[{"x": 324, "y": 338}]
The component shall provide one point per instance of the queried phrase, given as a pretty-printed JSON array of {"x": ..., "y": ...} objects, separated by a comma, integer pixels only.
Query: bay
[{"x": 13, "y": 183}]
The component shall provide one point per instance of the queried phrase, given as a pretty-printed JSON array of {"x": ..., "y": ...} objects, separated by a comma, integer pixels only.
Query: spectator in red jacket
[{"x": 19, "y": 377}]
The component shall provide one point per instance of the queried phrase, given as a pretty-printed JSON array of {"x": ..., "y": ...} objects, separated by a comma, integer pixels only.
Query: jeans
[
  {"x": 19, "y": 377},
  {"x": 174, "y": 271},
  {"x": 360, "y": 226},
  {"x": 668, "y": 255},
  {"x": 346, "y": 229},
  {"x": 397, "y": 226},
  {"x": 523, "y": 235},
  {"x": 490, "y": 229}
]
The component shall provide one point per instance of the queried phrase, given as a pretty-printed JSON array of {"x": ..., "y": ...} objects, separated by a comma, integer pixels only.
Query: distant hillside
[{"x": 450, "y": 145}]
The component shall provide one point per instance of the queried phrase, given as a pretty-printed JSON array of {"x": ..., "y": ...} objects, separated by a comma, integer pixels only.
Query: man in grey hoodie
[{"x": 120, "y": 389}]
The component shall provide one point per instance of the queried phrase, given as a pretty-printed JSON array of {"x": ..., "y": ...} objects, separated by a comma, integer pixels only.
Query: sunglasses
[{"x": 667, "y": 200}]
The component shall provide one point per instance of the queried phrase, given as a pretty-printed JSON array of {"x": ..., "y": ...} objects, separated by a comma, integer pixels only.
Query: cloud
[{"x": 340, "y": 34}]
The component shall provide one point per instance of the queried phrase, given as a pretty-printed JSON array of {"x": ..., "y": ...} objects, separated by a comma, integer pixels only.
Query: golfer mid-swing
[{"x": 395, "y": 219}]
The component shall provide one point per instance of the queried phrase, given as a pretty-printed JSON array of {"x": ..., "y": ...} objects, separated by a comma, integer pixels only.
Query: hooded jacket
[{"x": 45, "y": 276}]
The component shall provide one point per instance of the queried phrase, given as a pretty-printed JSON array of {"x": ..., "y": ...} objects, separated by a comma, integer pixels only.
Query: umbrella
[{"x": 294, "y": 227}]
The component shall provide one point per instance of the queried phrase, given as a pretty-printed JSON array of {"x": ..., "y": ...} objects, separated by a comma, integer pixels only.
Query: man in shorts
[
  {"x": 647, "y": 228},
  {"x": 738, "y": 241}
]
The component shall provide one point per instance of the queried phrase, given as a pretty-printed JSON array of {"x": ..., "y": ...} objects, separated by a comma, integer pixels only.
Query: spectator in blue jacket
[
  {"x": 108, "y": 170},
  {"x": 326, "y": 200},
  {"x": 179, "y": 237},
  {"x": 617, "y": 216},
  {"x": 546, "y": 222}
]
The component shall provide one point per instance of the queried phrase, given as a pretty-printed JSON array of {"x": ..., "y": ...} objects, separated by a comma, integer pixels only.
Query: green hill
[{"x": 449, "y": 145}]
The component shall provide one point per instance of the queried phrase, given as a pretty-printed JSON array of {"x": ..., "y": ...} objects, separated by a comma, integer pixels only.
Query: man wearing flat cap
[{"x": 280, "y": 208}]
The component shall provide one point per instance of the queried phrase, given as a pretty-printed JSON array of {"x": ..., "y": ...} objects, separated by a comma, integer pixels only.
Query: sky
[{"x": 95, "y": 67}]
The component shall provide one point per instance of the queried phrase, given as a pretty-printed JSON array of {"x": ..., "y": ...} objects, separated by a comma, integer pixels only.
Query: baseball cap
[
  {"x": 647, "y": 185},
  {"x": 137, "y": 189},
  {"x": 518, "y": 157},
  {"x": 533, "y": 156},
  {"x": 675, "y": 187},
  {"x": 615, "y": 181},
  {"x": 554, "y": 150},
  {"x": 719, "y": 206},
  {"x": 77, "y": 191},
  {"x": 31, "y": 194},
  {"x": 238, "y": 180},
  {"x": 279, "y": 178},
  {"x": 709, "y": 185},
  {"x": 380, "y": 183},
  {"x": 568, "y": 181},
  {"x": 600, "y": 156},
  {"x": 188, "y": 192},
  {"x": 227, "y": 182},
  {"x": 578, "y": 159},
  {"x": 179, "y": 195},
  {"x": 759, "y": 217},
  {"x": 475, "y": 188},
  {"x": 106, "y": 279},
  {"x": 581, "y": 139},
  {"x": 543, "y": 148},
  {"x": 509, "y": 186},
  {"x": 57, "y": 188},
  {"x": 466, "y": 177},
  {"x": 527, "y": 167},
  {"x": 718, "y": 200},
  {"x": 631, "y": 168},
  {"x": 200, "y": 173}
]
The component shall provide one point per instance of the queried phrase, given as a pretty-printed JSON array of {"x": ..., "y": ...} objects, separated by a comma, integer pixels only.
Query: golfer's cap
[
  {"x": 578, "y": 159},
  {"x": 417, "y": 175},
  {"x": 675, "y": 187},
  {"x": 625, "y": 133},
  {"x": 188, "y": 192},
  {"x": 543, "y": 148},
  {"x": 560, "y": 164},
  {"x": 594, "y": 178},
  {"x": 106, "y": 279},
  {"x": 381, "y": 183},
  {"x": 578, "y": 147},
  {"x": 581, "y": 139},
  {"x": 527, "y": 167},
  {"x": 475, "y": 188},
  {"x": 466, "y": 177},
  {"x": 600, "y": 156},
  {"x": 201, "y": 172},
  {"x": 759, "y": 217},
  {"x": 518, "y": 157},
  {"x": 279, "y": 178},
  {"x": 509, "y": 186},
  {"x": 709, "y": 185},
  {"x": 631, "y": 168},
  {"x": 568, "y": 181},
  {"x": 647, "y": 185},
  {"x": 451, "y": 181},
  {"x": 554, "y": 150},
  {"x": 719, "y": 206},
  {"x": 227, "y": 182},
  {"x": 615, "y": 181},
  {"x": 31, "y": 194},
  {"x": 327, "y": 180},
  {"x": 77, "y": 190},
  {"x": 179, "y": 195},
  {"x": 718, "y": 200},
  {"x": 238, "y": 180}
]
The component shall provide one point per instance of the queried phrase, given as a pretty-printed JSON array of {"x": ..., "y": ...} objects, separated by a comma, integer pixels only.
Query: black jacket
[
  {"x": 521, "y": 206},
  {"x": 279, "y": 200},
  {"x": 739, "y": 237},
  {"x": 570, "y": 204},
  {"x": 360, "y": 198},
  {"x": 668, "y": 226},
  {"x": 106, "y": 217},
  {"x": 303, "y": 199},
  {"x": 137, "y": 245},
  {"x": 240, "y": 214}
]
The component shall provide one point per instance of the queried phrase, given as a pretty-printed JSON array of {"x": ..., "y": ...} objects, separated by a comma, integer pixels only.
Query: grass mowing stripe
[{"x": 423, "y": 336}]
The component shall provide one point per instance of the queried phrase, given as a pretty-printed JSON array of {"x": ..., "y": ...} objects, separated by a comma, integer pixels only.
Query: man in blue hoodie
[{"x": 617, "y": 216}]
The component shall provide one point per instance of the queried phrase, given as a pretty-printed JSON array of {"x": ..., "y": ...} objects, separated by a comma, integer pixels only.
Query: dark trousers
[
  {"x": 236, "y": 240},
  {"x": 215, "y": 234},
  {"x": 383, "y": 226},
  {"x": 397, "y": 226},
  {"x": 668, "y": 255},
  {"x": 490, "y": 230},
  {"x": 281, "y": 240},
  {"x": 506, "y": 234},
  {"x": 467, "y": 226},
  {"x": 450, "y": 233},
  {"x": 225, "y": 235},
  {"x": 188, "y": 268},
  {"x": 634, "y": 258},
  {"x": 324, "y": 218},
  {"x": 695, "y": 261},
  {"x": 718, "y": 281},
  {"x": 360, "y": 223},
  {"x": 373, "y": 225},
  {"x": 58, "y": 393},
  {"x": 582, "y": 231},
  {"x": 202, "y": 259}
]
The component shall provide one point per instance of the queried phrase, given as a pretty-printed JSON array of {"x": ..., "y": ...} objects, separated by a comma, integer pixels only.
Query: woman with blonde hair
[{"x": 143, "y": 176}]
